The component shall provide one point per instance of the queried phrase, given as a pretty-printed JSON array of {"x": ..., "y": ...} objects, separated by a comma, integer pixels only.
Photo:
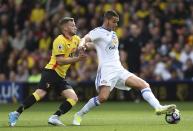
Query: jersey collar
[{"x": 106, "y": 29}]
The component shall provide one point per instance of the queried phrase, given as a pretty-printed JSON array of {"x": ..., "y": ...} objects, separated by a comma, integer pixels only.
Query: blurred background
[{"x": 155, "y": 36}]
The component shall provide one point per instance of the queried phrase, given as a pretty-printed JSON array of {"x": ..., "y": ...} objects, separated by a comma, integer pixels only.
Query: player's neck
[
  {"x": 106, "y": 27},
  {"x": 67, "y": 36}
]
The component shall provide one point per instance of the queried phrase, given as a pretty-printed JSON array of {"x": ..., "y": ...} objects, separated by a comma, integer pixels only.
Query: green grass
[{"x": 111, "y": 116}]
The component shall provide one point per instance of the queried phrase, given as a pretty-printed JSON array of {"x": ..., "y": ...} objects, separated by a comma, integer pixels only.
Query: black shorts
[{"x": 50, "y": 79}]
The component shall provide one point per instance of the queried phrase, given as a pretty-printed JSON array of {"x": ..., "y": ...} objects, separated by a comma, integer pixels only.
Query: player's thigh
[
  {"x": 104, "y": 92},
  {"x": 136, "y": 82},
  {"x": 70, "y": 93}
]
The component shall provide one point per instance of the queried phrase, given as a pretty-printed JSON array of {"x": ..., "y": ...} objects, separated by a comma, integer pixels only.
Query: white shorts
[{"x": 112, "y": 77}]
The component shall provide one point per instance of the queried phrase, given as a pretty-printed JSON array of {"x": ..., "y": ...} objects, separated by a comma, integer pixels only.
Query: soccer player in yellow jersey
[{"x": 53, "y": 76}]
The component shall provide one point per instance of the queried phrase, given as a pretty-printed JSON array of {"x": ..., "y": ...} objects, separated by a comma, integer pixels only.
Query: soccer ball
[{"x": 173, "y": 117}]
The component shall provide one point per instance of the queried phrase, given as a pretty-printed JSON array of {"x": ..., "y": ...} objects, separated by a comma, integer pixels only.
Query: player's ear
[{"x": 107, "y": 22}]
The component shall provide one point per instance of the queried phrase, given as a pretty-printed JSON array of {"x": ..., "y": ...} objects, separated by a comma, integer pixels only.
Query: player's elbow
[
  {"x": 60, "y": 61},
  {"x": 87, "y": 38},
  {"x": 90, "y": 45}
]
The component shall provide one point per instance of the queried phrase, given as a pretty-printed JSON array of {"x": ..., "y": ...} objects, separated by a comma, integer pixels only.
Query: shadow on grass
[
  {"x": 83, "y": 126},
  {"x": 124, "y": 124},
  {"x": 28, "y": 126}
]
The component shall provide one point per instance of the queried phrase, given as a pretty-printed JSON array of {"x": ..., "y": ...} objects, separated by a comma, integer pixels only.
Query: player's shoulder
[
  {"x": 114, "y": 33},
  {"x": 59, "y": 41},
  {"x": 76, "y": 37},
  {"x": 59, "y": 38},
  {"x": 98, "y": 30}
]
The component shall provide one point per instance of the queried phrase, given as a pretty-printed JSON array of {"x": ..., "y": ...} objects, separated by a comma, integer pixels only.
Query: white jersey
[
  {"x": 106, "y": 44},
  {"x": 110, "y": 71}
]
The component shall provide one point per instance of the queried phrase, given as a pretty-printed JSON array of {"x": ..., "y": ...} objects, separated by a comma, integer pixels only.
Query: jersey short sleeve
[
  {"x": 94, "y": 34},
  {"x": 59, "y": 47}
]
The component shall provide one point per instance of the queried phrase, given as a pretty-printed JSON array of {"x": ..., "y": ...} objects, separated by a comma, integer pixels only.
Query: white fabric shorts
[{"x": 114, "y": 77}]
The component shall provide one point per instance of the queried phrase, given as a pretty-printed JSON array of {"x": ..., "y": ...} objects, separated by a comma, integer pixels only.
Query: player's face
[
  {"x": 71, "y": 27},
  {"x": 113, "y": 22}
]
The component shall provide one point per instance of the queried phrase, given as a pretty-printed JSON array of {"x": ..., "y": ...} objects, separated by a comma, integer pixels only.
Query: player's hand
[
  {"x": 82, "y": 55},
  {"x": 81, "y": 48}
]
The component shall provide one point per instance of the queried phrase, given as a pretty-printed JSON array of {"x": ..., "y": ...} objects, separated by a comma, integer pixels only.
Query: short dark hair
[
  {"x": 109, "y": 14},
  {"x": 64, "y": 21}
]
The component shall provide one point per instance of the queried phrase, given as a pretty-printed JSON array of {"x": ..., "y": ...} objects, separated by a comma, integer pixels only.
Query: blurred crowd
[{"x": 156, "y": 37}]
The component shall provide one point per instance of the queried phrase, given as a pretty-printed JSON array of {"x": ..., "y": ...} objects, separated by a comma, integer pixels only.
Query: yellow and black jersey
[{"x": 65, "y": 47}]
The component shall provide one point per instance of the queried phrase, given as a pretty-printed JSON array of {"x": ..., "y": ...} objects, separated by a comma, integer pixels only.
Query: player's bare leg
[{"x": 143, "y": 86}]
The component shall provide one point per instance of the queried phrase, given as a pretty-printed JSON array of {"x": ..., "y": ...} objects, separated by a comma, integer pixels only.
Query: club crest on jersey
[
  {"x": 114, "y": 40},
  {"x": 60, "y": 47}
]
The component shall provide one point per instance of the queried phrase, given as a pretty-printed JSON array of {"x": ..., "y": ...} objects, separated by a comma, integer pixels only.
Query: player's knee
[
  {"x": 73, "y": 100},
  {"x": 39, "y": 93},
  {"x": 143, "y": 85},
  {"x": 102, "y": 99},
  {"x": 146, "y": 84}
]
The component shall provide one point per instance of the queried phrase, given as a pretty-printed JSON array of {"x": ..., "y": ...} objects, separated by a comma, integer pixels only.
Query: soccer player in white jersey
[{"x": 110, "y": 71}]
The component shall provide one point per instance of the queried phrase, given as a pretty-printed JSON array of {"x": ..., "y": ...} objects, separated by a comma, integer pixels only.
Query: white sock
[
  {"x": 150, "y": 98},
  {"x": 93, "y": 102}
]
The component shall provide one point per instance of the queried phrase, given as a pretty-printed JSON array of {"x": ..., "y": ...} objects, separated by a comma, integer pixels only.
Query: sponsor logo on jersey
[
  {"x": 114, "y": 40},
  {"x": 103, "y": 82},
  {"x": 112, "y": 47},
  {"x": 60, "y": 47}
]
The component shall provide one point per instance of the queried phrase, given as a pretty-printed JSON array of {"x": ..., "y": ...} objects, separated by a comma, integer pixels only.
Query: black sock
[
  {"x": 27, "y": 103},
  {"x": 64, "y": 107}
]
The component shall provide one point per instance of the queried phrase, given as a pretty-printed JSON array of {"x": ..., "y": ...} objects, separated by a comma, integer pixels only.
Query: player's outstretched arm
[
  {"x": 61, "y": 60},
  {"x": 85, "y": 42}
]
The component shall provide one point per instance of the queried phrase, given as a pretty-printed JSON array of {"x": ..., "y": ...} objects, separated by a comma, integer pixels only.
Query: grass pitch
[{"x": 111, "y": 116}]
